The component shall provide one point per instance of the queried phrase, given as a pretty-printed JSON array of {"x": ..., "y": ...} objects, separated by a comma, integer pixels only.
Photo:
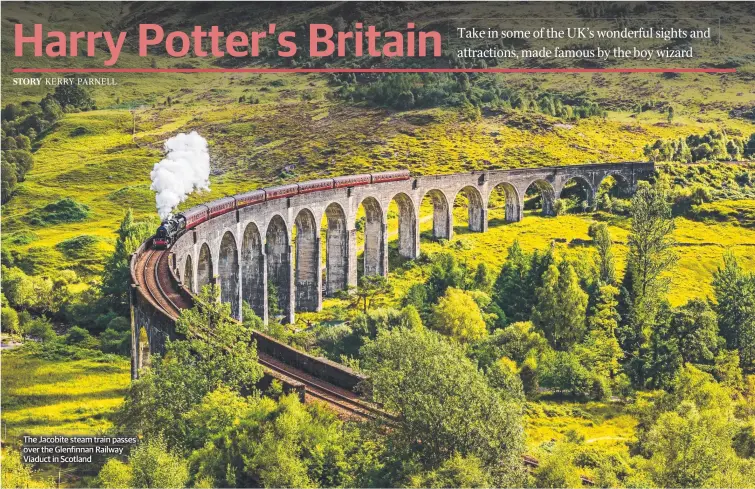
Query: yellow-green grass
[
  {"x": 45, "y": 397},
  {"x": 107, "y": 168},
  {"x": 606, "y": 425},
  {"x": 700, "y": 248}
]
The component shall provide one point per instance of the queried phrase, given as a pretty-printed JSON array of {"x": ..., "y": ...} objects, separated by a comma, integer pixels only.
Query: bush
[
  {"x": 113, "y": 341},
  {"x": 78, "y": 247},
  {"x": 64, "y": 210},
  {"x": 9, "y": 320},
  {"x": 562, "y": 372},
  {"x": 41, "y": 329},
  {"x": 80, "y": 337}
]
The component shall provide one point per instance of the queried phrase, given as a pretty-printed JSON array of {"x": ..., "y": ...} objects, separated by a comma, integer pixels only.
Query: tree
[
  {"x": 558, "y": 469},
  {"x": 445, "y": 272},
  {"x": 560, "y": 306},
  {"x": 735, "y": 306},
  {"x": 605, "y": 260},
  {"x": 601, "y": 352},
  {"x": 416, "y": 374},
  {"x": 651, "y": 255},
  {"x": 115, "y": 279},
  {"x": 260, "y": 442},
  {"x": 9, "y": 179},
  {"x": 153, "y": 465},
  {"x": 503, "y": 376},
  {"x": 458, "y": 316},
  {"x": 482, "y": 278},
  {"x": 74, "y": 96},
  {"x": 51, "y": 109},
  {"x": 513, "y": 291},
  {"x": 689, "y": 447},
  {"x": 217, "y": 352},
  {"x": 693, "y": 327},
  {"x": 15, "y": 473},
  {"x": 457, "y": 471},
  {"x": 369, "y": 291},
  {"x": 116, "y": 475},
  {"x": 516, "y": 341}
]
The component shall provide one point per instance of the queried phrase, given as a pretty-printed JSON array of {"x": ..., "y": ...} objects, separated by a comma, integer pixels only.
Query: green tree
[
  {"x": 456, "y": 471},
  {"x": 370, "y": 291},
  {"x": 416, "y": 374},
  {"x": 513, "y": 291},
  {"x": 516, "y": 341},
  {"x": 503, "y": 376},
  {"x": 735, "y": 306},
  {"x": 689, "y": 447},
  {"x": 651, "y": 255},
  {"x": 601, "y": 352},
  {"x": 73, "y": 96},
  {"x": 115, "y": 277},
  {"x": 15, "y": 473},
  {"x": 217, "y": 352},
  {"x": 280, "y": 443},
  {"x": 116, "y": 475},
  {"x": 558, "y": 469},
  {"x": 458, "y": 316},
  {"x": 605, "y": 260},
  {"x": 445, "y": 272},
  {"x": 153, "y": 465},
  {"x": 560, "y": 307},
  {"x": 693, "y": 327},
  {"x": 9, "y": 179}
]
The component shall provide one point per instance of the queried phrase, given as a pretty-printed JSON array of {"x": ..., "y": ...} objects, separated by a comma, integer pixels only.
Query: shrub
[
  {"x": 64, "y": 210},
  {"x": 113, "y": 341},
  {"x": 41, "y": 329},
  {"x": 80, "y": 337},
  {"x": 9, "y": 320}
]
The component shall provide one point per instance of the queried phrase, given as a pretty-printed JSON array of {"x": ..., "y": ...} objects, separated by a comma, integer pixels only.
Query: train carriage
[
  {"x": 390, "y": 176},
  {"x": 281, "y": 191},
  {"x": 221, "y": 206},
  {"x": 194, "y": 216},
  {"x": 315, "y": 185},
  {"x": 249, "y": 198},
  {"x": 351, "y": 180}
]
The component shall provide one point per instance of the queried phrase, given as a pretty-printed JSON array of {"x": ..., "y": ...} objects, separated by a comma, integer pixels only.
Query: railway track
[
  {"x": 341, "y": 399},
  {"x": 156, "y": 282},
  {"x": 154, "y": 273}
]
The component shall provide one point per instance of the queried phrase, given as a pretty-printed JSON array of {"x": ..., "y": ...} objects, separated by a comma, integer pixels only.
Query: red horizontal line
[{"x": 374, "y": 70}]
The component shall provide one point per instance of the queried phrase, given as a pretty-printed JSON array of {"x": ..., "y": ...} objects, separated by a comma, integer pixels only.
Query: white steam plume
[{"x": 185, "y": 168}]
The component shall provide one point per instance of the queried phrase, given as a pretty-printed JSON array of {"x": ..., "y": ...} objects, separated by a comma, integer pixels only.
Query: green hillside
[{"x": 92, "y": 163}]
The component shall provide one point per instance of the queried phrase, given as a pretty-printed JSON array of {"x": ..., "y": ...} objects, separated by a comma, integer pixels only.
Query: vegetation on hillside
[{"x": 614, "y": 342}]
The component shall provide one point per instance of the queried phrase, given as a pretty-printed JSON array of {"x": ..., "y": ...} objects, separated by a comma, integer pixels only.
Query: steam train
[{"x": 174, "y": 227}]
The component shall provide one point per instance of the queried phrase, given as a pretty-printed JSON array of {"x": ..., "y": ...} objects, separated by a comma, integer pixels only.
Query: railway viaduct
[{"x": 278, "y": 242}]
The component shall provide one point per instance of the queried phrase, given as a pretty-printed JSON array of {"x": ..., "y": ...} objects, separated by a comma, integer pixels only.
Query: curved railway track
[{"x": 154, "y": 273}]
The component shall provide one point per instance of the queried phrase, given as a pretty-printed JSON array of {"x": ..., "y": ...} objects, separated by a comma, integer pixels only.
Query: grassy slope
[
  {"x": 108, "y": 169},
  {"x": 46, "y": 397}
]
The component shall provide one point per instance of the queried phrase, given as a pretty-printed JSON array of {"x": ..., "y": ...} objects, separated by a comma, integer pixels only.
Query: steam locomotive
[{"x": 174, "y": 227}]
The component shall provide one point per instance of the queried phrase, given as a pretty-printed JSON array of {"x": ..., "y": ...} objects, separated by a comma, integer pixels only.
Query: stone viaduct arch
[
  {"x": 276, "y": 246},
  {"x": 253, "y": 271},
  {"x": 408, "y": 226},
  {"x": 228, "y": 273},
  {"x": 205, "y": 275},
  {"x": 375, "y": 238},
  {"x": 442, "y": 220},
  {"x": 336, "y": 249},
  {"x": 278, "y": 252},
  {"x": 308, "y": 271}
]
